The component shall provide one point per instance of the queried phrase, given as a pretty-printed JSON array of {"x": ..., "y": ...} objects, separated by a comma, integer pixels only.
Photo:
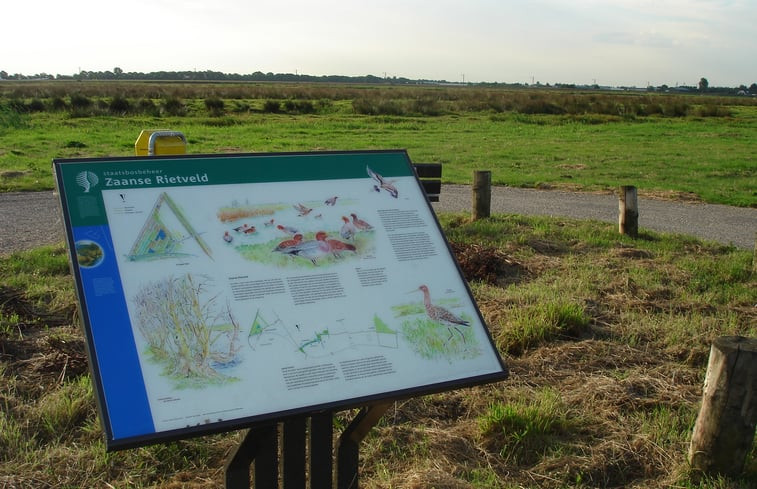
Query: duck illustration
[
  {"x": 348, "y": 229},
  {"x": 288, "y": 243},
  {"x": 360, "y": 224}
]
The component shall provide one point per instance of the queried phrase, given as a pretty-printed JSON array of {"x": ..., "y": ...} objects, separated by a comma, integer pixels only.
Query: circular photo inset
[{"x": 89, "y": 254}]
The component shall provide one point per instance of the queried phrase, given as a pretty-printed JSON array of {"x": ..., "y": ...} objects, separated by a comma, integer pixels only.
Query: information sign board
[{"x": 217, "y": 291}]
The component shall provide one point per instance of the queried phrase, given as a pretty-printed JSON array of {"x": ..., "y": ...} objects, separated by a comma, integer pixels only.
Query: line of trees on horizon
[{"x": 258, "y": 76}]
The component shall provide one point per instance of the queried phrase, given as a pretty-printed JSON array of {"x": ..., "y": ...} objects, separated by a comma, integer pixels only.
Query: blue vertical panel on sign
[{"x": 117, "y": 359}]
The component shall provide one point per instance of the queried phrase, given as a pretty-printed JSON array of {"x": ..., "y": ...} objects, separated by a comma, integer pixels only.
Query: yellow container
[{"x": 154, "y": 142}]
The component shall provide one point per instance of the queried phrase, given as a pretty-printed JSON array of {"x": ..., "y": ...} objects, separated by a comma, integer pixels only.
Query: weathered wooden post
[
  {"x": 482, "y": 194},
  {"x": 724, "y": 429},
  {"x": 754, "y": 257},
  {"x": 628, "y": 211}
]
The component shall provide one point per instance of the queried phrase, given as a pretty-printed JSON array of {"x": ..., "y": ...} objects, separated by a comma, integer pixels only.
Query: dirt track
[{"x": 33, "y": 219}]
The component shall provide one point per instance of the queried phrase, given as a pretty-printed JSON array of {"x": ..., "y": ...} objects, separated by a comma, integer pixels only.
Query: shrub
[
  {"x": 119, "y": 105},
  {"x": 174, "y": 106},
  {"x": 36, "y": 105},
  {"x": 80, "y": 102},
  {"x": 57, "y": 104},
  {"x": 215, "y": 106},
  {"x": 147, "y": 106},
  {"x": 272, "y": 106}
]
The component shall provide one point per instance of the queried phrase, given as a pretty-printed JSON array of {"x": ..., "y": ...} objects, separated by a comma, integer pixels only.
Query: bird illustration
[
  {"x": 382, "y": 183},
  {"x": 249, "y": 229},
  {"x": 287, "y": 229},
  {"x": 348, "y": 229},
  {"x": 227, "y": 237},
  {"x": 331, "y": 201},
  {"x": 441, "y": 315},
  {"x": 242, "y": 228},
  {"x": 312, "y": 249},
  {"x": 337, "y": 247},
  {"x": 360, "y": 224},
  {"x": 288, "y": 243},
  {"x": 302, "y": 210},
  {"x": 268, "y": 223}
]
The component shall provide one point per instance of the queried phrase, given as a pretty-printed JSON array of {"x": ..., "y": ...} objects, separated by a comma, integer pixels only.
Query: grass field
[
  {"x": 704, "y": 150},
  {"x": 606, "y": 338}
]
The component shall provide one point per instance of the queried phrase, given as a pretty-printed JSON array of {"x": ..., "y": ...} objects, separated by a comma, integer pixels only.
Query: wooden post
[
  {"x": 482, "y": 194},
  {"x": 628, "y": 211},
  {"x": 724, "y": 429},
  {"x": 754, "y": 257}
]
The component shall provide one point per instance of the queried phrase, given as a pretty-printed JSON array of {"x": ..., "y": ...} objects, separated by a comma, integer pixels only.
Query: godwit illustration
[
  {"x": 382, "y": 183},
  {"x": 441, "y": 315},
  {"x": 360, "y": 224},
  {"x": 348, "y": 229},
  {"x": 288, "y": 243},
  {"x": 331, "y": 200},
  {"x": 302, "y": 210}
]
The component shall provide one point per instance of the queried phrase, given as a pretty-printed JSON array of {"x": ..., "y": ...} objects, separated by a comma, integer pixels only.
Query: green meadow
[
  {"x": 683, "y": 146},
  {"x": 606, "y": 337}
]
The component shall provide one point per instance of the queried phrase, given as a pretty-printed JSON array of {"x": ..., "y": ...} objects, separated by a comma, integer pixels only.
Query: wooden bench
[{"x": 430, "y": 175}]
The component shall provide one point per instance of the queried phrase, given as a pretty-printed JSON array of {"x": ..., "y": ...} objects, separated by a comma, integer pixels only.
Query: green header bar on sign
[{"x": 82, "y": 180}]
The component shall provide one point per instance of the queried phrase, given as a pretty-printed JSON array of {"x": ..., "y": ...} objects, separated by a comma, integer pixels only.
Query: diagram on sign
[
  {"x": 167, "y": 233},
  {"x": 269, "y": 330}
]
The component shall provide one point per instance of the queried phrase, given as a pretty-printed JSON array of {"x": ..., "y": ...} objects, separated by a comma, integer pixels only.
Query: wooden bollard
[
  {"x": 628, "y": 211},
  {"x": 482, "y": 194},
  {"x": 724, "y": 429}
]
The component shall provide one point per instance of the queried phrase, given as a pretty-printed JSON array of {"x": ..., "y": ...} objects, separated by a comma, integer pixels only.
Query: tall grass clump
[
  {"x": 174, "y": 106},
  {"x": 11, "y": 118},
  {"x": 215, "y": 106},
  {"x": 524, "y": 430}
]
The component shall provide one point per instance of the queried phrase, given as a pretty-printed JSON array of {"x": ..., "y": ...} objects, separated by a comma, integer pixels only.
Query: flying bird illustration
[
  {"x": 302, "y": 210},
  {"x": 382, "y": 183},
  {"x": 331, "y": 201}
]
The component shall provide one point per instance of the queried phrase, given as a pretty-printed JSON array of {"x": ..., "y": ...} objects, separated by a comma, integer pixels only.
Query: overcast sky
[{"x": 609, "y": 42}]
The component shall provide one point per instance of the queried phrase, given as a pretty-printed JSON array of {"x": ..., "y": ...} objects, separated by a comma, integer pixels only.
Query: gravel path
[
  {"x": 712, "y": 222},
  {"x": 31, "y": 219}
]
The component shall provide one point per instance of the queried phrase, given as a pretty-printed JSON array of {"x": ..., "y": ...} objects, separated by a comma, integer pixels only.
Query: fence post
[
  {"x": 482, "y": 194},
  {"x": 724, "y": 429},
  {"x": 628, "y": 211}
]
